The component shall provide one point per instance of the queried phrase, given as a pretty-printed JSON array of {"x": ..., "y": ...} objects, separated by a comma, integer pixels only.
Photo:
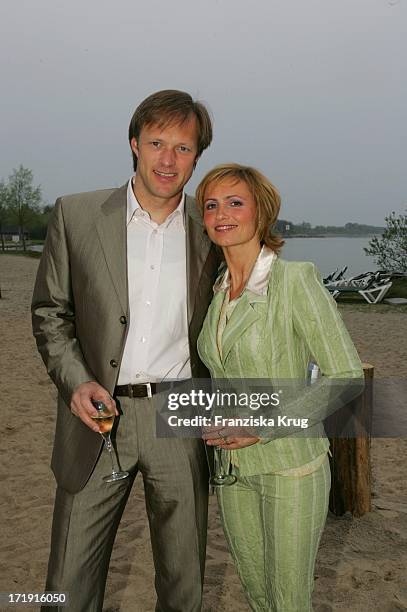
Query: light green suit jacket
[{"x": 273, "y": 337}]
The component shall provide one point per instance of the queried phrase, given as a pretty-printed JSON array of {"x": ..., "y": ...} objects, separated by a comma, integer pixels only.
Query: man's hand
[
  {"x": 229, "y": 438},
  {"x": 81, "y": 402}
]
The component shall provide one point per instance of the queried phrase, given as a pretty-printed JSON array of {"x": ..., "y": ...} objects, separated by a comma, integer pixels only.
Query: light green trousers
[{"x": 273, "y": 525}]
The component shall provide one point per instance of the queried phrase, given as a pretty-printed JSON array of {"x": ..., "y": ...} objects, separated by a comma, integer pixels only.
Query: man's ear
[{"x": 134, "y": 146}]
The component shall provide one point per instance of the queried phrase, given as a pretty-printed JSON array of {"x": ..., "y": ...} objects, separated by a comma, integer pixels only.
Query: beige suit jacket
[{"x": 80, "y": 310}]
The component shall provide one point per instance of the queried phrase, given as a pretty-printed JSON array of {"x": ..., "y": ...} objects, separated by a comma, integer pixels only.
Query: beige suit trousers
[{"x": 176, "y": 490}]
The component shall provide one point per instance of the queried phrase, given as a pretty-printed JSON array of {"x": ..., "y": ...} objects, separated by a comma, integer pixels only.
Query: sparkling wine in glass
[{"x": 105, "y": 418}]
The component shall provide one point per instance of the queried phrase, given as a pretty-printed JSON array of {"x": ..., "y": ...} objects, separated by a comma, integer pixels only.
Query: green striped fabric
[
  {"x": 273, "y": 337},
  {"x": 273, "y": 525}
]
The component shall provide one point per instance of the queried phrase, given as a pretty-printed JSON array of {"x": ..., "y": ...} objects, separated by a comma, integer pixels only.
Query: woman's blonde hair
[{"x": 265, "y": 195}]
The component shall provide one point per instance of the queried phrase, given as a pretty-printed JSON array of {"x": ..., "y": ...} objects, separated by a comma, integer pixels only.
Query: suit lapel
[
  {"x": 112, "y": 231},
  {"x": 111, "y": 228},
  {"x": 197, "y": 250},
  {"x": 248, "y": 310}
]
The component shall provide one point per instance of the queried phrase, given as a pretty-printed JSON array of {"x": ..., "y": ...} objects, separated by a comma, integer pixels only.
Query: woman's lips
[{"x": 224, "y": 228}]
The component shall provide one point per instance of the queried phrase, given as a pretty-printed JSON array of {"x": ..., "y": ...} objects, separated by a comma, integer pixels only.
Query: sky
[{"x": 311, "y": 92}]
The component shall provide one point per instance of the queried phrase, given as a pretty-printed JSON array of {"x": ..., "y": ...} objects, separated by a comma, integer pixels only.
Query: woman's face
[{"x": 230, "y": 214}]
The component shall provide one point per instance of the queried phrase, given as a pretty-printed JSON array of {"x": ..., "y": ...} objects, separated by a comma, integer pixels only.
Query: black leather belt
[{"x": 144, "y": 389}]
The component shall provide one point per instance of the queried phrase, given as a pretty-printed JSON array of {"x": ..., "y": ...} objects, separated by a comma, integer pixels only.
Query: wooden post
[{"x": 350, "y": 461}]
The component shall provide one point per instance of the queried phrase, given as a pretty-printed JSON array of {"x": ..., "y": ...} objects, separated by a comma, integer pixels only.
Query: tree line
[
  {"x": 21, "y": 205},
  {"x": 287, "y": 228}
]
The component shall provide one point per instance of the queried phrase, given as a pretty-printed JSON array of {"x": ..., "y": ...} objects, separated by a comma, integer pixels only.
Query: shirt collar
[
  {"x": 259, "y": 276},
  {"x": 134, "y": 208}
]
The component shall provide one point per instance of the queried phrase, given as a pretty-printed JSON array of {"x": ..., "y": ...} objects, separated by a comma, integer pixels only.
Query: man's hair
[
  {"x": 168, "y": 107},
  {"x": 265, "y": 195}
]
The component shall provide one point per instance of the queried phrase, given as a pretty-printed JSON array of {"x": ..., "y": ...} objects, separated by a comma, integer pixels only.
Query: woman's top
[
  {"x": 228, "y": 307},
  {"x": 282, "y": 318}
]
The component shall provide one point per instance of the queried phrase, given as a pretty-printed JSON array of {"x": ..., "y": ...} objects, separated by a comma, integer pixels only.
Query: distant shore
[{"x": 329, "y": 235}]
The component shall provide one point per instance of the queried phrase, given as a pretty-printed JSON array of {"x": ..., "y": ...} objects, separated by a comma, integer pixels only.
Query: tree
[
  {"x": 23, "y": 199},
  {"x": 390, "y": 250},
  {"x": 3, "y": 211},
  {"x": 39, "y": 224}
]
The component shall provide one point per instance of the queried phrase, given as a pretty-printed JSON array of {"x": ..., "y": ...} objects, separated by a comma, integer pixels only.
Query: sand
[{"x": 361, "y": 562}]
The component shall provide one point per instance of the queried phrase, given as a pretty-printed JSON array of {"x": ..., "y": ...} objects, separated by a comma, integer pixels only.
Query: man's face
[{"x": 165, "y": 159}]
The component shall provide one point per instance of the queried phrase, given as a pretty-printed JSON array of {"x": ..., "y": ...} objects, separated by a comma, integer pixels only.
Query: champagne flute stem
[
  {"x": 110, "y": 449},
  {"x": 218, "y": 461}
]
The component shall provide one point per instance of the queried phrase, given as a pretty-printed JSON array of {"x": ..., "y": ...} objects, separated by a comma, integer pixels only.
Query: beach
[{"x": 361, "y": 562}]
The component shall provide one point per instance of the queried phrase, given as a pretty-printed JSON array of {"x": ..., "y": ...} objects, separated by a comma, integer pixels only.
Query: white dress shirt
[{"x": 157, "y": 346}]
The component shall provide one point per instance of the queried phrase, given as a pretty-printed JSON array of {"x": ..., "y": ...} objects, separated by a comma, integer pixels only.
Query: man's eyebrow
[{"x": 186, "y": 144}]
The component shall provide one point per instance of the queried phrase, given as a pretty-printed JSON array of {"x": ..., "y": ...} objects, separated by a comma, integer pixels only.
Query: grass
[{"x": 34, "y": 254}]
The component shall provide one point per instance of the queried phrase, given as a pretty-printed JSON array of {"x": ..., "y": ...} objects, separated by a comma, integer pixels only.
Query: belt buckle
[
  {"x": 149, "y": 392},
  {"x": 130, "y": 390}
]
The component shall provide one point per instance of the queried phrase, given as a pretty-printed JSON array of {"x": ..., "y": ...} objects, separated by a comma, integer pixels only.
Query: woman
[{"x": 266, "y": 320}]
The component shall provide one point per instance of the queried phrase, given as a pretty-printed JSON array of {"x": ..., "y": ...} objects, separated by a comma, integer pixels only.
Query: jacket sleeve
[
  {"x": 53, "y": 312},
  {"x": 319, "y": 326}
]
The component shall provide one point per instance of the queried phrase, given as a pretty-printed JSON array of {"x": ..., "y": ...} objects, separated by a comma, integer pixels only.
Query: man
[{"x": 121, "y": 293}]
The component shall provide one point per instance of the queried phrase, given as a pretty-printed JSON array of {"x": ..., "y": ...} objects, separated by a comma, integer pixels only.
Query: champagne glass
[
  {"x": 221, "y": 477},
  {"x": 104, "y": 418}
]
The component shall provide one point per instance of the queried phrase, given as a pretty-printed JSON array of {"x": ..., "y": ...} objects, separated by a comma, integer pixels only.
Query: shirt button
[
  {"x": 113, "y": 363},
  {"x": 138, "y": 375},
  {"x": 152, "y": 267},
  {"x": 148, "y": 303},
  {"x": 123, "y": 320},
  {"x": 143, "y": 339}
]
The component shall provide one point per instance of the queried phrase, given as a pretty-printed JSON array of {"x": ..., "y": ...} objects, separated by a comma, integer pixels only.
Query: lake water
[
  {"x": 326, "y": 253},
  {"x": 331, "y": 253}
]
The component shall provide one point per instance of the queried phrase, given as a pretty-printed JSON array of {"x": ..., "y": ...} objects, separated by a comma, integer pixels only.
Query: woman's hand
[{"x": 229, "y": 438}]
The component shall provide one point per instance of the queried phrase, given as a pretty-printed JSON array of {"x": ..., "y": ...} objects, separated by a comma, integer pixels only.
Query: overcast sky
[{"x": 312, "y": 92}]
